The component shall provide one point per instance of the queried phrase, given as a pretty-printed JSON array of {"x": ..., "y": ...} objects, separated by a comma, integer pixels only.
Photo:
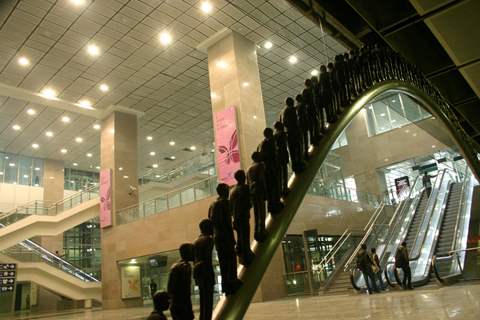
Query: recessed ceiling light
[
  {"x": 120, "y": 168},
  {"x": 77, "y": 2},
  {"x": 104, "y": 87},
  {"x": 434, "y": 146},
  {"x": 254, "y": 117},
  {"x": 96, "y": 126},
  {"x": 125, "y": 177},
  {"x": 48, "y": 93},
  {"x": 89, "y": 155},
  {"x": 206, "y": 6},
  {"x": 193, "y": 148},
  {"x": 173, "y": 157},
  {"x": 165, "y": 38},
  {"x": 35, "y": 146},
  {"x": 1, "y": 173},
  {"x": 407, "y": 131},
  {"x": 97, "y": 167},
  {"x": 16, "y": 127},
  {"x": 212, "y": 151},
  {"x": 382, "y": 114},
  {"x": 85, "y": 103},
  {"x": 152, "y": 153},
  {"x": 155, "y": 165},
  {"x": 314, "y": 72},
  {"x": 11, "y": 164},
  {"x": 268, "y": 45},
  {"x": 157, "y": 176},
  {"x": 172, "y": 143},
  {"x": 23, "y": 61},
  {"x": 49, "y": 134},
  {"x": 414, "y": 134},
  {"x": 292, "y": 59},
  {"x": 31, "y": 112},
  {"x": 63, "y": 150},
  {"x": 66, "y": 119},
  {"x": 149, "y": 138},
  {"x": 79, "y": 139},
  {"x": 37, "y": 169},
  {"x": 93, "y": 50},
  {"x": 393, "y": 101},
  {"x": 75, "y": 164},
  {"x": 245, "y": 84}
]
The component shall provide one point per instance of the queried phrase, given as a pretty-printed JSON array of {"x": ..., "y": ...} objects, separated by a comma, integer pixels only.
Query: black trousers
[
  {"x": 228, "y": 264},
  {"x": 206, "y": 301},
  {"x": 243, "y": 241},
  {"x": 407, "y": 276},
  {"x": 294, "y": 147},
  {"x": 260, "y": 213}
]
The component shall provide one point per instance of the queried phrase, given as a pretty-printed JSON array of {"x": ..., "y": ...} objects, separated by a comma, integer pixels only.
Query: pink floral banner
[
  {"x": 227, "y": 146},
  {"x": 105, "y": 198}
]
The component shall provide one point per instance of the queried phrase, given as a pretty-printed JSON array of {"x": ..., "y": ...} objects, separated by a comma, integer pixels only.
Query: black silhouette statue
[
  {"x": 179, "y": 285},
  {"x": 220, "y": 215},
  {"x": 258, "y": 194},
  {"x": 160, "y": 303},
  {"x": 290, "y": 122},
  {"x": 282, "y": 150},
  {"x": 241, "y": 205},
  {"x": 203, "y": 269}
]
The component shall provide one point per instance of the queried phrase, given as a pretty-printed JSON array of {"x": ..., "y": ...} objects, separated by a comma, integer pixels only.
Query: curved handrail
[
  {"x": 449, "y": 255},
  {"x": 460, "y": 207},
  {"x": 235, "y": 306}
]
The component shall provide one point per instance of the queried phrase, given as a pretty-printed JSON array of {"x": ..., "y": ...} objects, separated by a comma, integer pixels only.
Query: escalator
[
  {"x": 447, "y": 230},
  {"x": 417, "y": 220}
]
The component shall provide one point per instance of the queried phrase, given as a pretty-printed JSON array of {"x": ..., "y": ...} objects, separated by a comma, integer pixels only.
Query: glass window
[
  {"x": 25, "y": 171},
  {"x": 341, "y": 141},
  {"x": 37, "y": 172},
  {"x": 11, "y": 169},
  {"x": 3, "y": 162}
]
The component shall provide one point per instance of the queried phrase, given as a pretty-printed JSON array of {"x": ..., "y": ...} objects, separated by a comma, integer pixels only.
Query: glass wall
[
  {"x": 81, "y": 247},
  {"x": 156, "y": 267},
  {"x": 77, "y": 180},
  {"x": 391, "y": 112},
  {"x": 21, "y": 170}
]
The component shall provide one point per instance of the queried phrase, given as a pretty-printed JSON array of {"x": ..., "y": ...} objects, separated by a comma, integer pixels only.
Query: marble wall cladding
[
  {"x": 235, "y": 81},
  {"x": 118, "y": 150}
]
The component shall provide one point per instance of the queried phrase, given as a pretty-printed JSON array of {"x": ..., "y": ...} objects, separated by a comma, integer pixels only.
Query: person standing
[
  {"x": 364, "y": 263},
  {"x": 160, "y": 304},
  {"x": 402, "y": 261},
  {"x": 427, "y": 184},
  {"x": 153, "y": 287},
  {"x": 203, "y": 268},
  {"x": 221, "y": 217},
  {"x": 377, "y": 270},
  {"x": 309, "y": 100},
  {"x": 258, "y": 194},
  {"x": 281, "y": 141},
  {"x": 240, "y": 205},
  {"x": 290, "y": 122},
  {"x": 303, "y": 125},
  {"x": 180, "y": 283}
]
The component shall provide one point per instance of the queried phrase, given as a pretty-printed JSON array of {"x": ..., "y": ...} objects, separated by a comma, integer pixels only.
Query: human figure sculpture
[
  {"x": 179, "y": 285},
  {"x": 309, "y": 101},
  {"x": 258, "y": 194},
  {"x": 290, "y": 123},
  {"x": 334, "y": 89},
  {"x": 160, "y": 303},
  {"x": 281, "y": 141},
  {"x": 326, "y": 94},
  {"x": 203, "y": 269},
  {"x": 220, "y": 214},
  {"x": 339, "y": 68},
  {"x": 303, "y": 125},
  {"x": 153, "y": 287},
  {"x": 268, "y": 151},
  {"x": 241, "y": 205},
  {"x": 320, "y": 124}
]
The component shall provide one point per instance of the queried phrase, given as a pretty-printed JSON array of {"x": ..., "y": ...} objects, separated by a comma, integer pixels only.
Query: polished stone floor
[{"x": 456, "y": 302}]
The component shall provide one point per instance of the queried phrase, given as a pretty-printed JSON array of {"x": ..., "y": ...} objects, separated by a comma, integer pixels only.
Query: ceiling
[
  {"x": 439, "y": 36},
  {"x": 168, "y": 84}
]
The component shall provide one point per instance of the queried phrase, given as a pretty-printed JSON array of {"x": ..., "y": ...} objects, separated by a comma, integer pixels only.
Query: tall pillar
[
  {"x": 235, "y": 81},
  {"x": 118, "y": 151},
  {"x": 53, "y": 188}
]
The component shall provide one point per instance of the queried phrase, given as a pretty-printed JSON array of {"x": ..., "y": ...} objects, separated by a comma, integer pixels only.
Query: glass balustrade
[
  {"x": 29, "y": 251},
  {"x": 46, "y": 208}
]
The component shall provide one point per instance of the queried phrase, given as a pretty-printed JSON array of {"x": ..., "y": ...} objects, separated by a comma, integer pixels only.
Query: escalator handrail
[
  {"x": 460, "y": 207},
  {"x": 446, "y": 256},
  {"x": 367, "y": 234},
  {"x": 334, "y": 249}
]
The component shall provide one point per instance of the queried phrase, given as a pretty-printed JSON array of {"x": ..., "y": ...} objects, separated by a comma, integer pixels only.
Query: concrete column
[
  {"x": 118, "y": 152},
  {"x": 53, "y": 187},
  {"x": 235, "y": 81}
]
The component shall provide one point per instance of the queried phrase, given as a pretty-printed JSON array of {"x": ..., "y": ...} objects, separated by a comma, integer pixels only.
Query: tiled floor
[{"x": 457, "y": 302}]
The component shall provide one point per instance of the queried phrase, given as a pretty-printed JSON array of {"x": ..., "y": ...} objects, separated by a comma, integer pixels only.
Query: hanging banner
[
  {"x": 402, "y": 185},
  {"x": 105, "y": 198},
  {"x": 227, "y": 146}
]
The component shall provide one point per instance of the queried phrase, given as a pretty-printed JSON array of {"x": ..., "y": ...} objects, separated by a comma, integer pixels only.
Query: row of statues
[{"x": 303, "y": 122}]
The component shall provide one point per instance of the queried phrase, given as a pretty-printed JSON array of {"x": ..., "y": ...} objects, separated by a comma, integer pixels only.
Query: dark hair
[
  {"x": 373, "y": 250},
  {"x": 206, "y": 226},
  {"x": 404, "y": 243},
  {"x": 240, "y": 176},
  {"x": 278, "y": 125},
  {"x": 186, "y": 251},
  {"x": 289, "y": 101},
  {"x": 256, "y": 156},
  {"x": 299, "y": 98},
  {"x": 222, "y": 190},
  {"x": 161, "y": 301},
  {"x": 323, "y": 68},
  {"x": 364, "y": 246},
  {"x": 267, "y": 132}
]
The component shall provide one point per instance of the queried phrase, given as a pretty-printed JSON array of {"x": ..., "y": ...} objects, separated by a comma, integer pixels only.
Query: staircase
[
  {"x": 340, "y": 285},
  {"x": 417, "y": 220}
]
